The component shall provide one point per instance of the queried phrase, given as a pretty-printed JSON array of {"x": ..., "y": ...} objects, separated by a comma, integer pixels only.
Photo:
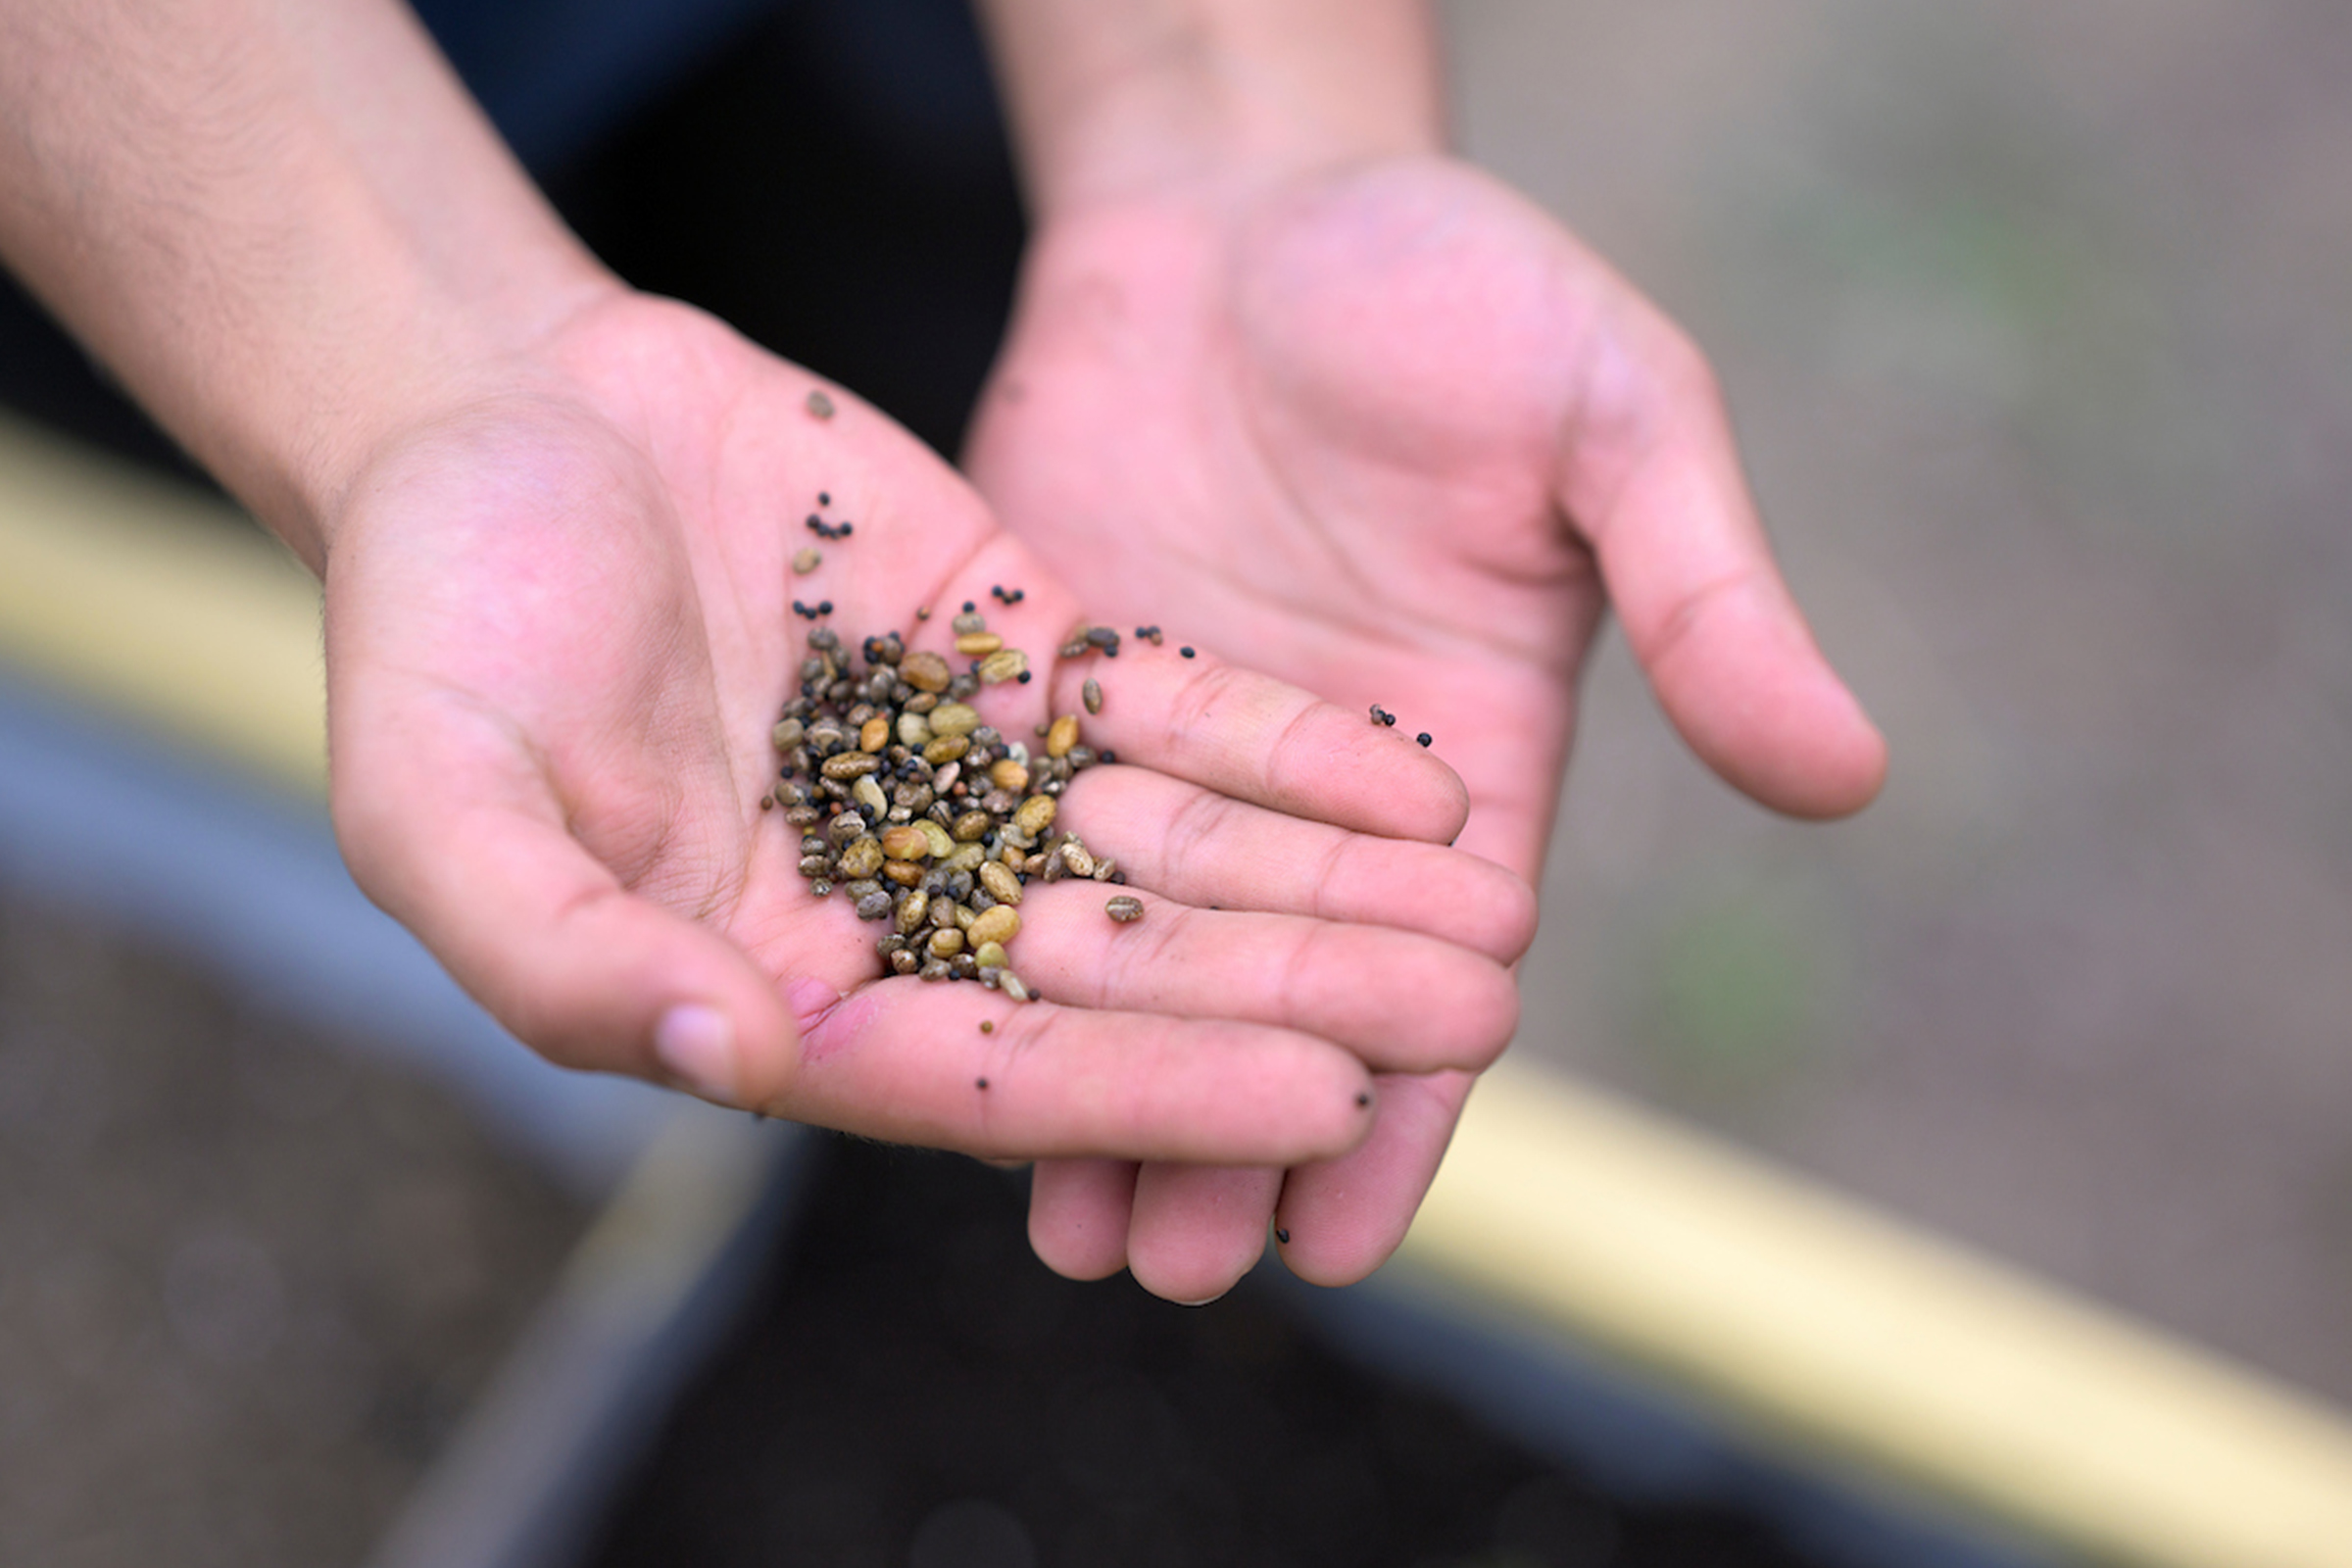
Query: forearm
[
  {"x": 281, "y": 222},
  {"x": 1113, "y": 97}
]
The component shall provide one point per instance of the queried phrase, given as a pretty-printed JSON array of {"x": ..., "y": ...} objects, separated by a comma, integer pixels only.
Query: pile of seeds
[{"x": 921, "y": 815}]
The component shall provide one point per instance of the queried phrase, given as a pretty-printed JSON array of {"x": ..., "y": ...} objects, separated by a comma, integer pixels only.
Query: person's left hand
[{"x": 1390, "y": 433}]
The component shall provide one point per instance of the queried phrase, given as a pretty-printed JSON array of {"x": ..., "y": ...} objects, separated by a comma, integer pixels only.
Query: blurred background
[{"x": 2036, "y": 324}]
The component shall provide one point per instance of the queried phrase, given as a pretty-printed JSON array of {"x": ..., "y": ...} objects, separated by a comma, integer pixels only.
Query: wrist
[{"x": 1109, "y": 102}]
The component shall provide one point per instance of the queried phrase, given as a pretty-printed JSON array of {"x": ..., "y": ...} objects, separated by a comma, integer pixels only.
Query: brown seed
[
  {"x": 947, "y": 943},
  {"x": 813, "y": 867},
  {"x": 967, "y": 624},
  {"x": 987, "y": 1028},
  {"x": 906, "y": 873},
  {"x": 1036, "y": 814},
  {"x": 1062, "y": 736},
  {"x": 1005, "y": 663},
  {"x": 1002, "y": 886},
  {"x": 935, "y": 969},
  {"x": 1008, "y": 774},
  {"x": 912, "y": 912},
  {"x": 1105, "y": 869},
  {"x": 905, "y": 843},
  {"x": 903, "y": 962},
  {"x": 946, "y": 749},
  {"x": 874, "y": 734},
  {"x": 1124, "y": 909},
  {"x": 972, "y": 644},
  {"x": 998, "y": 924},
  {"x": 926, "y": 671},
  {"x": 788, "y": 734},
  {"x": 820, "y": 405},
  {"x": 970, "y": 828},
  {"x": 848, "y": 765},
  {"x": 1092, "y": 692},
  {"x": 808, "y": 561}
]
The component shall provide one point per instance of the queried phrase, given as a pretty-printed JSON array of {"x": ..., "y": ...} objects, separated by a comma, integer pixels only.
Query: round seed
[
  {"x": 1092, "y": 692},
  {"x": 914, "y": 731},
  {"x": 808, "y": 561},
  {"x": 787, "y": 735},
  {"x": 947, "y": 943},
  {"x": 971, "y": 827},
  {"x": 820, "y": 405},
  {"x": 935, "y": 969},
  {"x": 1000, "y": 924},
  {"x": 862, "y": 859},
  {"x": 1063, "y": 735},
  {"x": 988, "y": 955},
  {"x": 1002, "y": 886},
  {"x": 1125, "y": 910},
  {"x": 870, "y": 798},
  {"x": 904, "y": 961},
  {"x": 874, "y": 907},
  {"x": 976, "y": 643},
  {"x": 1423, "y": 737},
  {"x": 1009, "y": 775},
  {"x": 965, "y": 624}
]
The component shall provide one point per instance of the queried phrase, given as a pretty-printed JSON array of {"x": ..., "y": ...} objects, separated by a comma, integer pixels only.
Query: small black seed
[
  {"x": 824, "y": 499},
  {"x": 1423, "y": 737},
  {"x": 1024, "y": 678},
  {"x": 980, "y": 1083},
  {"x": 1362, "y": 1099},
  {"x": 969, "y": 606},
  {"x": 1186, "y": 652},
  {"x": 1284, "y": 1237}
]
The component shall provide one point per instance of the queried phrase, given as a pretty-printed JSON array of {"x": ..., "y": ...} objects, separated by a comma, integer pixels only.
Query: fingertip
[{"x": 1078, "y": 1216}]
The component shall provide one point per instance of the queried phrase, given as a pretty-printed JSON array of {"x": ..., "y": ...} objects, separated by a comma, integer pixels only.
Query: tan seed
[
  {"x": 1002, "y": 886},
  {"x": 873, "y": 734},
  {"x": 906, "y": 873},
  {"x": 967, "y": 622},
  {"x": 914, "y": 731},
  {"x": 905, "y": 843},
  {"x": 1074, "y": 855},
  {"x": 869, "y": 795},
  {"x": 1092, "y": 692},
  {"x": 808, "y": 561},
  {"x": 972, "y": 644},
  {"x": 926, "y": 671},
  {"x": 912, "y": 911},
  {"x": 862, "y": 859},
  {"x": 998, "y": 924},
  {"x": 936, "y": 838},
  {"x": 1062, "y": 736},
  {"x": 1006, "y": 774},
  {"x": 1005, "y": 663},
  {"x": 1036, "y": 814},
  {"x": 946, "y": 944},
  {"x": 953, "y": 718},
  {"x": 1125, "y": 910},
  {"x": 1011, "y": 986},
  {"x": 963, "y": 917},
  {"x": 988, "y": 955},
  {"x": 851, "y": 765}
]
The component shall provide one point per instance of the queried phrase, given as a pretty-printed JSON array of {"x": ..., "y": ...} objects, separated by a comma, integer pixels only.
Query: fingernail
[{"x": 697, "y": 1043}]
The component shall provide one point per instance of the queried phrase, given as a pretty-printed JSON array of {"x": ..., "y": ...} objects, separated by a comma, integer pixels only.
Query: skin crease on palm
[
  {"x": 559, "y": 631},
  {"x": 1389, "y": 433}
]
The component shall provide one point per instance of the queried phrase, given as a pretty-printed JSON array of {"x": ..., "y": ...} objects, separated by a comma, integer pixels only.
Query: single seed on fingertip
[
  {"x": 1092, "y": 693},
  {"x": 820, "y": 405},
  {"x": 824, "y": 498},
  {"x": 987, "y": 1027},
  {"x": 808, "y": 561},
  {"x": 1126, "y": 909},
  {"x": 1423, "y": 737},
  {"x": 979, "y": 1083},
  {"x": 1282, "y": 1236},
  {"x": 1362, "y": 1099},
  {"x": 1186, "y": 652}
]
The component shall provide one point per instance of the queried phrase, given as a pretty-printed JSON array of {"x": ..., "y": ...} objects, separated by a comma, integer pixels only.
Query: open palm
[
  {"x": 1391, "y": 436},
  {"x": 559, "y": 631}
]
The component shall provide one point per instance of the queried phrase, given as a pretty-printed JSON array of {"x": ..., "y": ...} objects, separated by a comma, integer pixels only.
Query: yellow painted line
[
  {"x": 141, "y": 594},
  {"x": 1816, "y": 1316},
  {"x": 1805, "y": 1310}
]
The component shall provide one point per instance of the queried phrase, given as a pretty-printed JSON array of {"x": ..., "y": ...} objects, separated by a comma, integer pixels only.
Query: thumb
[
  {"x": 1651, "y": 476},
  {"x": 466, "y": 845}
]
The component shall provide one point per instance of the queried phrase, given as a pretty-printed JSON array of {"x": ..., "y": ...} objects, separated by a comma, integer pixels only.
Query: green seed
[{"x": 954, "y": 719}]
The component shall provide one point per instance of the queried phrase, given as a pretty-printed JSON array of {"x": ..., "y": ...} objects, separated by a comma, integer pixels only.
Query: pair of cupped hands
[{"x": 1378, "y": 435}]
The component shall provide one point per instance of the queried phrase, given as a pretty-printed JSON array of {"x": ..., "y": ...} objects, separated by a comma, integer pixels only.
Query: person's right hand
[{"x": 558, "y": 632}]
